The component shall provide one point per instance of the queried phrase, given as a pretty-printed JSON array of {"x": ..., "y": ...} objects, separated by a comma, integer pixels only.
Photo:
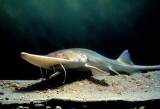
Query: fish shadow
[{"x": 54, "y": 82}]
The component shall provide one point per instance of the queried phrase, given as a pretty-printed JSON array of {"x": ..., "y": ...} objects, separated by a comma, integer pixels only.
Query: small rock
[
  {"x": 6, "y": 98},
  {"x": 139, "y": 82},
  {"x": 1, "y": 84},
  {"x": 39, "y": 105},
  {"x": 142, "y": 107},
  {"x": 31, "y": 102},
  {"x": 14, "y": 85},
  {"x": 1, "y": 93},
  {"x": 133, "y": 78},
  {"x": 7, "y": 86},
  {"x": 48, "y": 107},
  {"x": 125, "y": 76},
  {"x": 58, "y": 107},
  {"x": 20, "y": 107},
  {"x": 81, "y": 84},
  {"x": 7, "y": 82},
  {"x": 37, "y": 91},
  {"x": 25, "y": 107},
  {"x": 49, "y": 90},
  {"x": 72, "y": 87}
]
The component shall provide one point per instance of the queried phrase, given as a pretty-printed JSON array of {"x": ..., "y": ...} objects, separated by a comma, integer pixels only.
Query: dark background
[{"x": 105, "y": 26}]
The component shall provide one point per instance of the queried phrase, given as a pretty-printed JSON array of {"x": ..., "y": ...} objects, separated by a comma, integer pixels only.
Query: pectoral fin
[{"x": 95, "y": 71}]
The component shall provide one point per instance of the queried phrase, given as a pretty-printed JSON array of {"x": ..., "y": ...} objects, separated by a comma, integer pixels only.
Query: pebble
[
  {"x": 58, "y": 107},
  {"x": 14, "y": 85},
  {"x": 142, "y": 107},
  {"x": 25, "y": 107},
  {"x": 1, "y": 84},
  {"x": 125, "y": 76},
  {"x": 20, "y": 107},
  {"x": 81, "y": 84},
  {"x": 7, "y": 82},
  {"x": 37, "y": 91},
  {"x": 133, "y": 78},
  {"x": 7, "y": 98},
  {"x": 72, "y": 87},
  {"x": 139, "y": 82},
  {"x": 39, "y": 105},
  {"x": 48, "y": 107},
  {"x": 1, "y": 93}
]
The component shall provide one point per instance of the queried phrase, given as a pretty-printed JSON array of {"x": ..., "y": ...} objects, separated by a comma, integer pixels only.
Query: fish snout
[{"x": 23, "y": 54}]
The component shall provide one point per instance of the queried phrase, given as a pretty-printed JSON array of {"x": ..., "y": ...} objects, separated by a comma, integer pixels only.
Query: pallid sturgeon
[{"x": 84, "y": 59}]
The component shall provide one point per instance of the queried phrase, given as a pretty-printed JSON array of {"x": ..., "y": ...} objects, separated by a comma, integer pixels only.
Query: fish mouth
[{"x": 55, "y": 67}]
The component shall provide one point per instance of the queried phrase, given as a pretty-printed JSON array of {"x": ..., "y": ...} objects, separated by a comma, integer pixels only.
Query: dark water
[{"x": 107, "y": 27}]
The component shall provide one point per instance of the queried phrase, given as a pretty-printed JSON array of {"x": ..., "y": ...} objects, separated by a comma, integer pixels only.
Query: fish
[{"x": 81, "y": 59}]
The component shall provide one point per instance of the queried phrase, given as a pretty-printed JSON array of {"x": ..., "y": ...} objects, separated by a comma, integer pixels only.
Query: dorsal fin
[{"x": 125, "y": 57}]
